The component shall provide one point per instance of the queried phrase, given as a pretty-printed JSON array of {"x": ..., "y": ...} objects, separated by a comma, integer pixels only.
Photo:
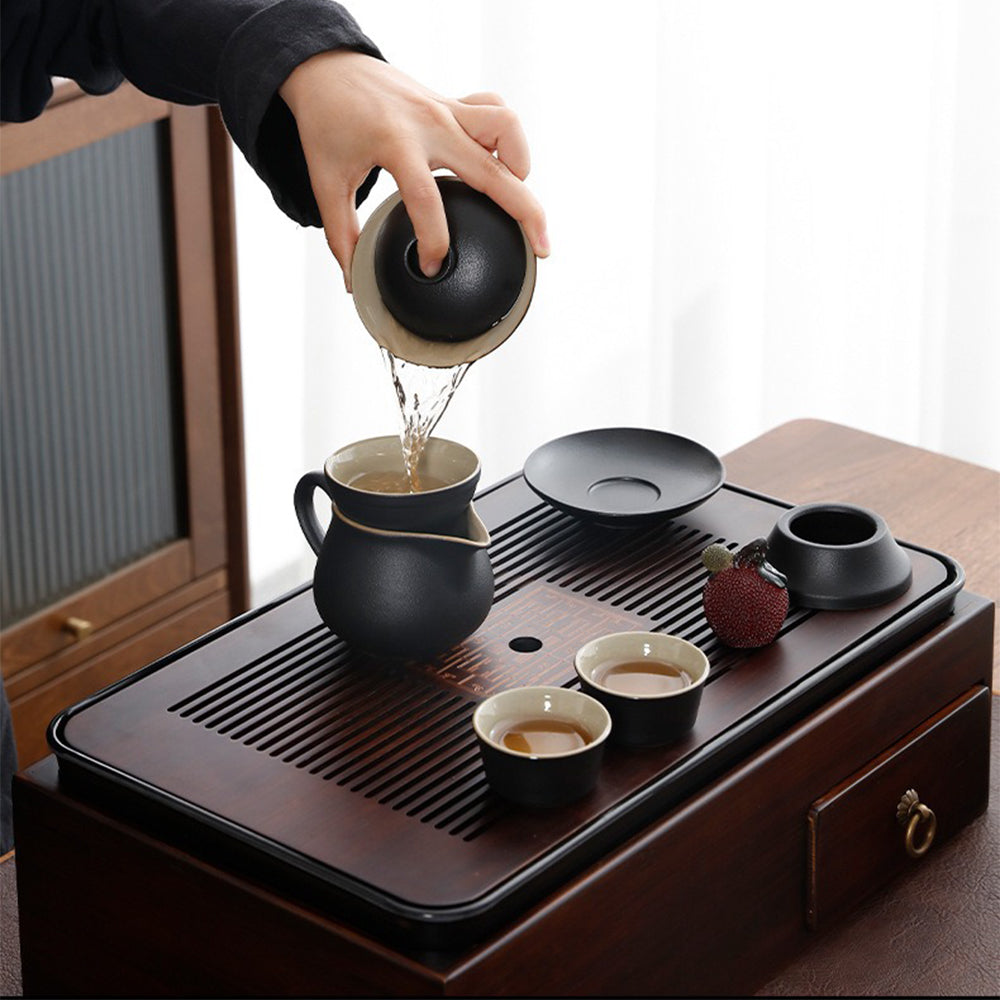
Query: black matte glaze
[
  {"x": 838, "y": 557},
  {"x": 658, "y": 474},
  {"x": 648, "y": 722},
  {"x": 398, "y": 593},
  {"x": 479, "y": 280},
  {"x": 545, "y": 782}
]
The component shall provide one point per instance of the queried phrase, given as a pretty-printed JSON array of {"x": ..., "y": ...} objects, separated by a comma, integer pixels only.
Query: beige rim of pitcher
[{"x": 389, "y": 333}]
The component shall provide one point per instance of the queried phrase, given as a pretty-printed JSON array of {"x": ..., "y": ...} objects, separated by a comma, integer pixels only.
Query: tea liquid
[
  {"x": 540, "y": 736},
  {"x": 395, "y": 482},
  {"x": 645, "y": 676},
  {"x": 423, "y": 394}
]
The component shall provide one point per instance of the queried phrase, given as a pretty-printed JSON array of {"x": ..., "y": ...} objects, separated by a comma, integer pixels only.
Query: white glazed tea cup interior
[
  {"x": 524, "y": 703},
  {"x": 446, "y": 461},
  {"x": 623, "y": 647}
]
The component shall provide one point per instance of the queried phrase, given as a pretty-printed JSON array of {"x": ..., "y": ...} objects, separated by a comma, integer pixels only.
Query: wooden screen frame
[{"x": 213, "y": 555}]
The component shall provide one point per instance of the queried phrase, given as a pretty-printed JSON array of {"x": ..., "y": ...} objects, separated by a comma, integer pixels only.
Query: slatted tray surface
[{"x": 363, "y": 777}]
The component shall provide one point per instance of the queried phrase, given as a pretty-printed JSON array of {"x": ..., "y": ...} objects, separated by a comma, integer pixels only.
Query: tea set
[{"x": 406, "y": 574}]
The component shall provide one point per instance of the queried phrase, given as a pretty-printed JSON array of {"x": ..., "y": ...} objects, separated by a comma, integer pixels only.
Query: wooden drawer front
[
  {"x": 33, "y": 711},
  {"x": 101, "y": 606},
  {"x": 857, "y": 844}
]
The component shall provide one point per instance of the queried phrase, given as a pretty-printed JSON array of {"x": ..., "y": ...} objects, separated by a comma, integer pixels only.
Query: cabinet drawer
[
  {"x": 97, "y": 607},
  {"x": 32, "y": 712},
  {"x": 856, "y": 842}
]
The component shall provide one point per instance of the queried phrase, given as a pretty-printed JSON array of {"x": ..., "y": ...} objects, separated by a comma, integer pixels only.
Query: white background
[{"x": 759, "y": 210}]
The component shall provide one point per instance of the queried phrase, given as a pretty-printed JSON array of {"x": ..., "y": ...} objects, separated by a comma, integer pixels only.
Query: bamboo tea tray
[{"x": 357, "y": 784}]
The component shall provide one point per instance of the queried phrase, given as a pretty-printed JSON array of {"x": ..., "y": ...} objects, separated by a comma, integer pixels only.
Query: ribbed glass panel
[{"x": 89, "y": 455}]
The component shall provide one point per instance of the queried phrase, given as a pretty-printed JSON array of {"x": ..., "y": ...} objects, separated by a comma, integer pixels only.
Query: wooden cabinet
[{"x": 123, "y": 511}]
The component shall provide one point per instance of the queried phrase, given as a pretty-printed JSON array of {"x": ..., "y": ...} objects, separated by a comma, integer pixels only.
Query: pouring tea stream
[{"x": 432, "y": 329}]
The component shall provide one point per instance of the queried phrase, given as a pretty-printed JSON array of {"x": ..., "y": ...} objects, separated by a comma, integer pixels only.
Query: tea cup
[
  {"x": 650, "y": 682},
  {"x": 541, "y": 746}
]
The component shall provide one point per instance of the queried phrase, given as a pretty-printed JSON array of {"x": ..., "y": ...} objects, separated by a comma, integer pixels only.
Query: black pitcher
[{"x": 399, "y": 573}]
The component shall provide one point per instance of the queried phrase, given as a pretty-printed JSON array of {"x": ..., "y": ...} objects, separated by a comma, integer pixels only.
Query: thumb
[{"x": 340, "y": 224}]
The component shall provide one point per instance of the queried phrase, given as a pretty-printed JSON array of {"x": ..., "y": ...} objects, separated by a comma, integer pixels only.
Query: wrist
[{"x": 315, "y": 72}]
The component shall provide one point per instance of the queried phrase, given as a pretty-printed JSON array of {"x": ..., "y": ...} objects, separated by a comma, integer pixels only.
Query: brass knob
[
  {"x": 913, "y": 814},
  {"x": 79, "y": 628}
]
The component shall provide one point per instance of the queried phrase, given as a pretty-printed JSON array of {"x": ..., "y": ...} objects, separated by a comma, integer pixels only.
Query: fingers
[
  {"x": 422, "y": 199},
  {"x": 340, "y": 223},
  {"x": 496, "y": 128},
  {"x": 490, "y": 175},
  {"x": 354, "y": 112},
  {"x": 484, "y": 97}
]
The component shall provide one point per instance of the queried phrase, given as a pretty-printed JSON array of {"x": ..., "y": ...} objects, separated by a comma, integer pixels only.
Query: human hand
[{"x": 355, "y": 112}]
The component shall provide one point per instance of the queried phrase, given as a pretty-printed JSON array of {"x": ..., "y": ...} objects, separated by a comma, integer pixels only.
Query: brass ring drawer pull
[{"x": 913, "y": 814}]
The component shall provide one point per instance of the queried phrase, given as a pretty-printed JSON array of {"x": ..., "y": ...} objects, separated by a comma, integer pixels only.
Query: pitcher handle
[{"x": 304, "y": 509}]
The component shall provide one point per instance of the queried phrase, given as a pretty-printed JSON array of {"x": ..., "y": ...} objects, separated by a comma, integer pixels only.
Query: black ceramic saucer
[{"x": 623, "y": 475}]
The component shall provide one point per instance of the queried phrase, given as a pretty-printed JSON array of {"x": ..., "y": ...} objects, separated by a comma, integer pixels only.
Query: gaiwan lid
[{"x": 470, "y": 307}]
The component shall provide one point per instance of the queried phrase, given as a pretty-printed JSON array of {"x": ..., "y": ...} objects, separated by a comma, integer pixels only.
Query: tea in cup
[
  {"x": 650, "y": 683},
  {"x": 541, "y": 746}
]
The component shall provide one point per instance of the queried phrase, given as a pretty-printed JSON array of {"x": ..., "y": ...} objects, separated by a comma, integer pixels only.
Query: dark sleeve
[{"x": 236, "y": 53}]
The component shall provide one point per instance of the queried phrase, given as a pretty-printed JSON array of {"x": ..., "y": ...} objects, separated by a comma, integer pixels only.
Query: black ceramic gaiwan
[
  {"x": 479, "y": 280},
  {"x": 470, "y": 307}
]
